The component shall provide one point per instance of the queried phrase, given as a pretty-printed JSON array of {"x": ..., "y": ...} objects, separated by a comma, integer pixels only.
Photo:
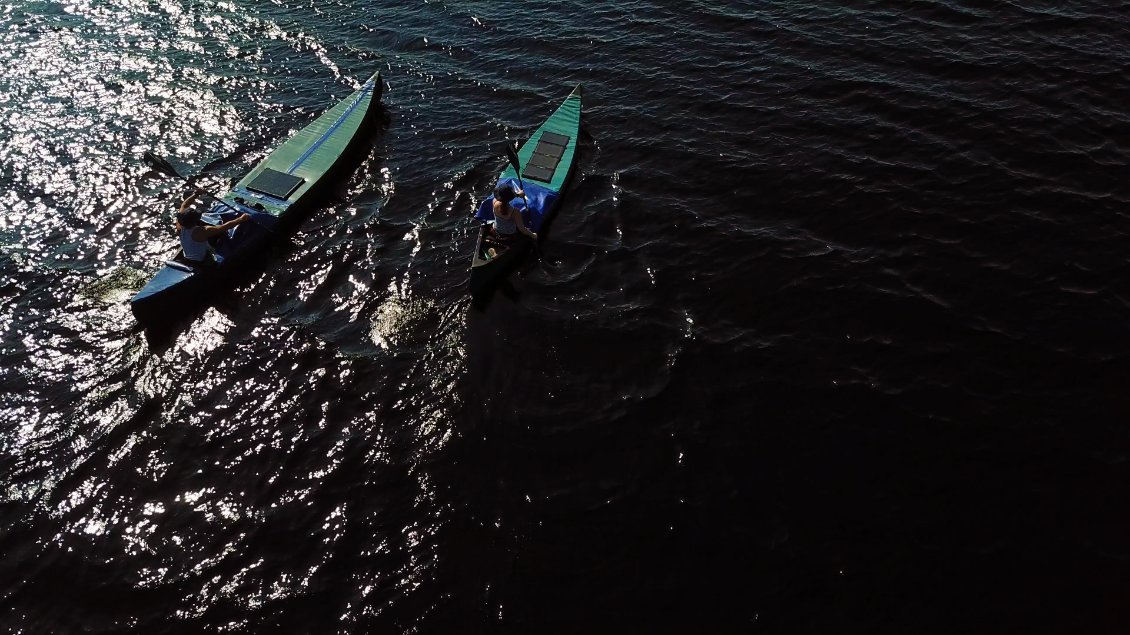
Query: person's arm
[
  {"x": 521, "y": 223},
  {"x": 188, "y": 201},
  {"x": 212, "y": 230}
]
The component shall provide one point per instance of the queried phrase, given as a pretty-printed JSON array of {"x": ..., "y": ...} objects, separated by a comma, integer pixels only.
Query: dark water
[{"x": 830, "y": 337}]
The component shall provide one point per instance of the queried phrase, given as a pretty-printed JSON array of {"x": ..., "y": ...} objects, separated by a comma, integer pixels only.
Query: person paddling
[
  {"x": 194, "y": 235},
  {"x": 507, "y": 219}
]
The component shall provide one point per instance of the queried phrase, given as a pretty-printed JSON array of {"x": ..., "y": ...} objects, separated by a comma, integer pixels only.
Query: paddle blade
[
  {"x": 161, "y": 165},
  {"x": 512, "y": 154}
]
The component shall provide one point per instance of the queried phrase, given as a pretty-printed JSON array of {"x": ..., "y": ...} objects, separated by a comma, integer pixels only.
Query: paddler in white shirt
[{"x": 194, "y": 235}]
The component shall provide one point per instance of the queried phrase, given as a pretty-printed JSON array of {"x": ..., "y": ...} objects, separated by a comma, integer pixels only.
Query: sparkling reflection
[
  {"x": 399, "y": 318},
  {"x": 229, "y": 469}
]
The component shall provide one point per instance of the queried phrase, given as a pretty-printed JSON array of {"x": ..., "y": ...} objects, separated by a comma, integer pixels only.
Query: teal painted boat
[
  {"x": 547, "y": 161},
  {"x": 281, "y": 187}
]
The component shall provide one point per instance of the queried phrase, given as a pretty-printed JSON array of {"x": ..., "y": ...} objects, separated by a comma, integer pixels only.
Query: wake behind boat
[
  {"x": 546, "y": 161},
  {"x": 281, "y": 187}
]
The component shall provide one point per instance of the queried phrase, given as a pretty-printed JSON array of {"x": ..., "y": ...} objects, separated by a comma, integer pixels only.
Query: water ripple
[{"x": 825, "y": 273}]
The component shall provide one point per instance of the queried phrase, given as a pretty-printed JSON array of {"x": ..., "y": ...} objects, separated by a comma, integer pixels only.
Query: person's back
[
  {"x": 194, "y": 250},
  {"x": 507, "y": 218},
  {"x": 505, "y": 225},
  {"x": 194, "y": 236}
]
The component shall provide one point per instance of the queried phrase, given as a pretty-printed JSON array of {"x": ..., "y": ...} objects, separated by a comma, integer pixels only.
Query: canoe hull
[
  {"x": 489, "y": 273},
  {"x": 180, "y": 286}
]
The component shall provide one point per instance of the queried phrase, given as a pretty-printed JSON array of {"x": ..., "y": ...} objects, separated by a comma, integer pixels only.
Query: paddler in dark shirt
[{"x": 194, "y": 235}]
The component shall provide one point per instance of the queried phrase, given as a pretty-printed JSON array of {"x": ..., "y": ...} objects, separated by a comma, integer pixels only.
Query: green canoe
[
  {"x": 280, "y": 187},
  {"x": 547, "y": 161}
]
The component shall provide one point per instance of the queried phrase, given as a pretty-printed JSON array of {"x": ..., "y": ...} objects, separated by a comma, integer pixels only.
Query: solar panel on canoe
[
  {"x": 547, "y": 154},
  {"x": 274, "y": 183}
]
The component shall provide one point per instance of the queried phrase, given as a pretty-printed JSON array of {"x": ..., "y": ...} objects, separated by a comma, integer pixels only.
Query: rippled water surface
[{"x": 830, "y": 333}]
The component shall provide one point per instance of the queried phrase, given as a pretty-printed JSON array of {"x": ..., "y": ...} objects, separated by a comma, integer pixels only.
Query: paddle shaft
[
  {"x": 512, "y": 153},
  {"x": 162, "y": 165}
]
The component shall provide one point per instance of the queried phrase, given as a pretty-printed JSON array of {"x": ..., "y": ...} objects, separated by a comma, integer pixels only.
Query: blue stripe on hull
[{"x": 365, "y": 90}]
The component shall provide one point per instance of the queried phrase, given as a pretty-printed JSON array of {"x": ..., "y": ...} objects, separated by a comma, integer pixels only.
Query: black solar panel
[
  {"x": 555, "y": 139},
  {"x": 544, "y": 161},
  {"x": 547, "y": 154},
  {"x": 538, "y": 173},
  {"x": 274, "y": 183}
]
